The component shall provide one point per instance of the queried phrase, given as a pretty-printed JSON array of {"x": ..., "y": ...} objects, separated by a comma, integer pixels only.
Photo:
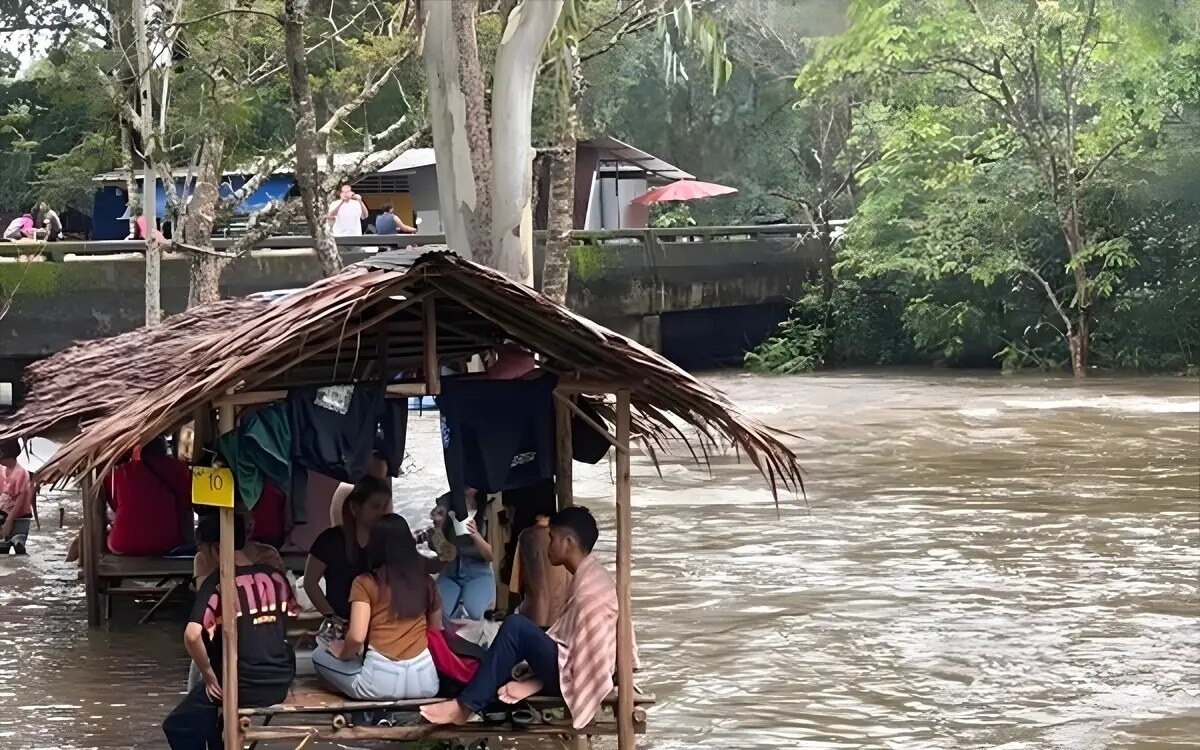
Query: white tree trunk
[
  {"x": 149, "y": 198},
  {"x": 517, "y": 62},
  {"x": 458, "y": 119}
]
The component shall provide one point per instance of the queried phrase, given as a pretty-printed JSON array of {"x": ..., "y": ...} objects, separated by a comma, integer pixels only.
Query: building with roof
[{"x": 609, "y": 175}]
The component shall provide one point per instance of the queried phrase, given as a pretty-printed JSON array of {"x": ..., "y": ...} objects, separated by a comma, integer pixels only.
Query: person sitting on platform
[
  {"x": 541, "y": 585},
  {"x": 339, "y": 554},
  {"x": 266, "y": 662},
  {"x": 576, "y": 658},
  {"x": 151, "y": 498},
  {"x": 378, "y": 468},
  {"x": 469, "y": 583},
  {"x": 16, "y": 500},
  {"x": 391, "y": 607},
  {"x": 207, "y": 560}
]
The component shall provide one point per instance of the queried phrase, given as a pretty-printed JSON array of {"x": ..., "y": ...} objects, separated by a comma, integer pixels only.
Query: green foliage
[
  {"x": 671, "y": 215},
  {"x": 857, "y": 325},
  {"x": 1020, "y": 150}
]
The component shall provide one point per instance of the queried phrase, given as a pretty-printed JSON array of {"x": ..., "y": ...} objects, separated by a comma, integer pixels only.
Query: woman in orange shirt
[{"x": 390, "y": 607}]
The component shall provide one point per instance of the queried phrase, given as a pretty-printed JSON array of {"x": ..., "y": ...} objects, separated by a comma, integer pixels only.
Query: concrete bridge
[{"x": 700, "y": 295}]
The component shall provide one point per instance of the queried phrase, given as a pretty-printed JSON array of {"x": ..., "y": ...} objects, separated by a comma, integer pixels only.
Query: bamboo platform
[{"x": 311, "y": 711}]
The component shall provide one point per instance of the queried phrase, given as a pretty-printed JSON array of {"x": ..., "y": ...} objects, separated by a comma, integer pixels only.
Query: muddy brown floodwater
[{"x": 982, "y": 562}]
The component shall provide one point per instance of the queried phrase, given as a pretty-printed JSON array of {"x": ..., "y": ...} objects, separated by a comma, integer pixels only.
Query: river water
[{"x": 980, "y": 562}]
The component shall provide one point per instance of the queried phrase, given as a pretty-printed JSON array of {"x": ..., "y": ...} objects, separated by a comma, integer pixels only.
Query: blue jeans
[
  {"x": 519, "y": 640},
  {"x": 469, "y": 582}
]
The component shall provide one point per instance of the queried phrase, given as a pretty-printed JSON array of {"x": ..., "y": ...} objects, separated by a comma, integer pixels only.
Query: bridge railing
[{"x": 58, "y": 251}]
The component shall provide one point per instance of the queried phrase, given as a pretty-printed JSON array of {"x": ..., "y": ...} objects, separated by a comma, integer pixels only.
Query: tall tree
[
  {"x": 1073, "y": 86},
  {"x": 587, "y": 30},
  {"x": 485, "y": 157}
]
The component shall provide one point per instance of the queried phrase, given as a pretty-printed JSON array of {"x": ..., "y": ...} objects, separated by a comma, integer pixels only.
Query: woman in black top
[{"x": 339, "y": 554}]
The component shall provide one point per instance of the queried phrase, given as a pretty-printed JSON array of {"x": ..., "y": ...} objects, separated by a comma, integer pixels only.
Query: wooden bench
[
  {"x": 308, "y": 701},
  {"x": 166, "y": 575},
  {"x": 169, "y": 574}
]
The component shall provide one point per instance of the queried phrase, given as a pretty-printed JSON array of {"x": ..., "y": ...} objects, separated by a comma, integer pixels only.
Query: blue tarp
[{"x": 273, "y": 189}]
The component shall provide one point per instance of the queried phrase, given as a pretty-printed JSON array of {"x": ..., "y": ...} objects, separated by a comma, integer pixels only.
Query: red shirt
[
  {"x": 268, "y": 514},
  {"x": 147, "y": 497}
]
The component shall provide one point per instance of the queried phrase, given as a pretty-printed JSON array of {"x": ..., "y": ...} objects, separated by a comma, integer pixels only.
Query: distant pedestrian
[
  {"x": 139, "y": 231},
  {"x": 389, "y": 223},
  {"x": 51, "y": 222},
  {"x": 347, "y": 213},
  {"x": 20, "y": 228}
]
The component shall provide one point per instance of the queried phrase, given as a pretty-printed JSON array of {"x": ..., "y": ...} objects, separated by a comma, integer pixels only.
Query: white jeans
[{"x": 378, "y": 678}]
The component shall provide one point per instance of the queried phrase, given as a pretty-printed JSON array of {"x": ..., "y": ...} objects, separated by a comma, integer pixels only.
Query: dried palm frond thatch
[
  {"x": 92, "y": 378},
  {"x": 367, "y": 323}
]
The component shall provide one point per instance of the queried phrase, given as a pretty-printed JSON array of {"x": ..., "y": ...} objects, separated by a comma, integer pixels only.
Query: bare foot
[
  {"x": 446, "y": 712},
  {"x": 515, "y": 692}
]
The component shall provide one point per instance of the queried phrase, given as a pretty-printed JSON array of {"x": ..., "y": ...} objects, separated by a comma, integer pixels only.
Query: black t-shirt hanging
[
  {"x": 497, "y": 434},
  {"x": 340, "y": 572},
  {"x": 265, "y": 600}
]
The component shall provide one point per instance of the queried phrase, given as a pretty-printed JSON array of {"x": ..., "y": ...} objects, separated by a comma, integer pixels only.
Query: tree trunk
[
  {"x": 1079, "y": 348},
  {"x": 132, "y": 202},
  {"x": 204, "y": 268},
  {"x": 560, "y": 222},
  {"x": 149, "y": 213},
  {"x": 517, "y": 61},
  {"x": 308, "y": 142},
  {"x": 1080, "y": 339},
  {"x": 458, "y": 119}
]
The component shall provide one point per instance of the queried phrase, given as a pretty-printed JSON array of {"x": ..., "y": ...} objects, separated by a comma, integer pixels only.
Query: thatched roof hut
[
  {"x": 395, "y": 314},
  {"x": 367, "y": 322}
]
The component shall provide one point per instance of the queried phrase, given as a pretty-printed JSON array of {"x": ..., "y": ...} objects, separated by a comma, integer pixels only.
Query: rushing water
[{"x": 981, "y": 562}]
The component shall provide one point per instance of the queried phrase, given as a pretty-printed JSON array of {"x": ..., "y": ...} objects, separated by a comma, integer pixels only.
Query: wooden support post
[
  {"x": 564, "y": 479},
  {"x": 433, "y": 371},
  {"x": 625, "y": 728},
  {"x": 226, "y": 422},
  {"x": 89, "y": 536},
  {"x": 495, "y": 538}
]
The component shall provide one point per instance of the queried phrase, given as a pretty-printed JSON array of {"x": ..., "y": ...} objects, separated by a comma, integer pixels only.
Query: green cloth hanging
[{"x": 260, "y": 449}]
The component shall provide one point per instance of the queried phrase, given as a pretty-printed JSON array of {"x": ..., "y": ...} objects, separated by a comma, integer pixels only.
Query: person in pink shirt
[
  {"x": 20, "y": 228},
  {"x": 16, "y": 500}
]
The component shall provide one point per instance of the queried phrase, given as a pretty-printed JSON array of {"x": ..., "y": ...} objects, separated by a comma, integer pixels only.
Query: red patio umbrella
[{"x": 683, "y": 190}]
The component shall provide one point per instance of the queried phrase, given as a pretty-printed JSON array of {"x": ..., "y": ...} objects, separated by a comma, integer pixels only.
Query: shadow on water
[{"x": 980, "y": 562}]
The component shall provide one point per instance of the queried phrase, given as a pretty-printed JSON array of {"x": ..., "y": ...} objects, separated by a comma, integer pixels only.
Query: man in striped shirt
[{"x": 576, "y": 658}]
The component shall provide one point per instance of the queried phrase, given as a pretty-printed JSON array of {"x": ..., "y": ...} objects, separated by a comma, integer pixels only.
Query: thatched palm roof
[
  {"x": 91, "y": 378},
  {"x": 367, "y": 323}
]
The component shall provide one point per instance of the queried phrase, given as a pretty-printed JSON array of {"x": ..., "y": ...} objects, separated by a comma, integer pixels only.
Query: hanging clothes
[
  {"x": 587, "y": 445},
  {"x": 336, "y": 430},
  {"x": 260, "y": 449},
  {"x": 496, "y": 434}
]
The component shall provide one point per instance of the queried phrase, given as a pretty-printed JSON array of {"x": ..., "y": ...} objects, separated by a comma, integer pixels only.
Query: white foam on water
[{"x": 1129, "y": 404}]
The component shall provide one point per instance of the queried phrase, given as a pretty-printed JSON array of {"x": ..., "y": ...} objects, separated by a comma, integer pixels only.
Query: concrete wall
[
  {"x": 625, "y": 285},
  {"x": 422, "y": 184}
]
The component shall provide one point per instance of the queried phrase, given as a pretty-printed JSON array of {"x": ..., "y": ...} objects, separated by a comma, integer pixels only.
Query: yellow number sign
[{"x": 212, "y": 486}]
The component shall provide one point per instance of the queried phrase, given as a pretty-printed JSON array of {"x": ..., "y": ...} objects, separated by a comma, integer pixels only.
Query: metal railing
[{"x": 58, "y": 251}]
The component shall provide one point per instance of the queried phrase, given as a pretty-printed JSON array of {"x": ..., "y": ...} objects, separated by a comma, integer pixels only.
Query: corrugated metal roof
[{"x": 621, "y": 152}]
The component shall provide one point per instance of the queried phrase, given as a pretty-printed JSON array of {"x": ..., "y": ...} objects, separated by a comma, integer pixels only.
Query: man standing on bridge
[{"x": 346, "y": 215}]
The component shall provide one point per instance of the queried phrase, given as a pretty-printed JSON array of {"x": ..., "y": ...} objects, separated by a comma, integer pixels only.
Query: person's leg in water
[
  {"x": 519, "y": 639},
  {"x": 194, "y": 724},
  {"x": 20, "y": 534}
]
